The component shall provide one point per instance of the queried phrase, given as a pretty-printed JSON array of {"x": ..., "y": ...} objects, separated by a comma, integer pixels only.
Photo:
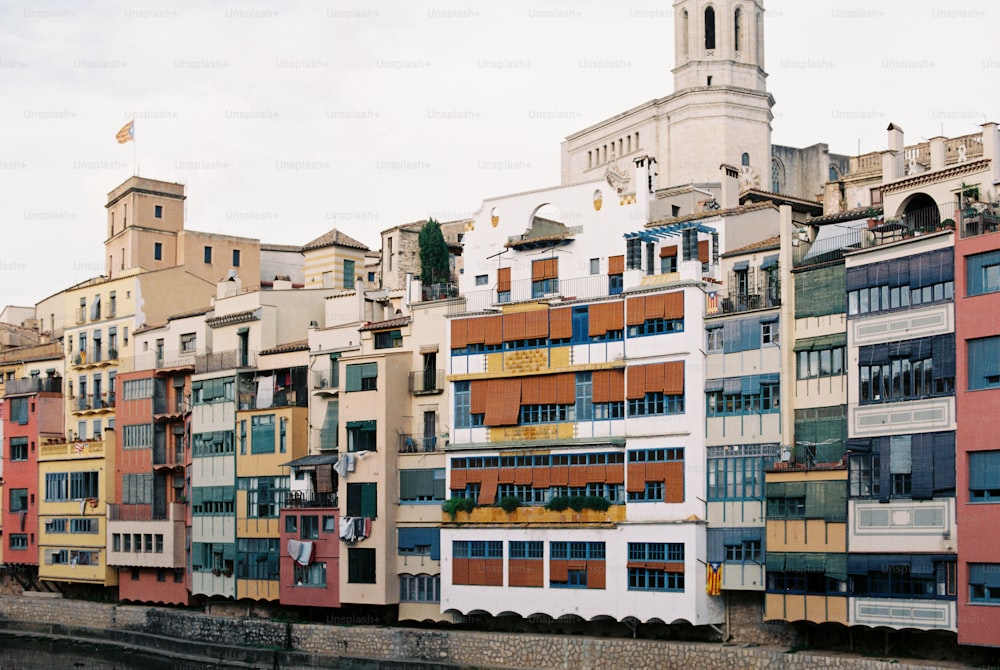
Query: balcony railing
[
  {"x": 33, "y": 385},
  {"x": 94, "y": 401},
  {"x": 323, "y": 378},
  {"x": 439, "y": 291},
  {"x": 297, "y": 499},
  {"x": 411, "y": 444},
  {"x": 876, "y": 233},
  {"x": 151, "y": 512},
  {"x": 426, "y": 382},
  {"x": 758, "y": 290},
  {"x": 110, "y": 311},
  {"x": 225, "y": 360},
  {"x": 980, "y": 220},
  {"x": 81, "y": 315},
  {"x": 591, "y": 286}
]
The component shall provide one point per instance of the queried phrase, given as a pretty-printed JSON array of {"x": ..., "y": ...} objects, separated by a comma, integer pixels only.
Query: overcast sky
[{"x": 285, "y": 120}]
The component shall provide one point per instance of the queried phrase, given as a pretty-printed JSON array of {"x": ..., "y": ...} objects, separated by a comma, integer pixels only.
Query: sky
[{"x": 287, "y": 119}]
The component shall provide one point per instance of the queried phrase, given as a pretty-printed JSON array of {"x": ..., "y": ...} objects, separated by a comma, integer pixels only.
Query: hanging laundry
[
  {"x": 265, "y": 391},
  {"x": 306, "y": 555}
]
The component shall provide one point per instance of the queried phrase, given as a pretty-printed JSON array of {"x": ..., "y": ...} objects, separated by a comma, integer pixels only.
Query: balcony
[
  {"x": 413, "y": 444},
  {"x": 95, "y": 356},
  {"x": 300, "y": 500},
  {"x": 225, "y": 360},
  {"x": 441, "y": 291},
  {"x": 980, "y": 220},
  {"x": 110, "y": 311},
  {"x": 324, "y": 379},
  {"x": 536, "y": 515},
  {"x": 153, "y": 540},
  {"x": 591, "y": 286},
  {"x": 73, "y": 449},
  {"x": 81, "y": 315},
  {"x": 93, "y": 403},
  {"x": 750, "y": 290},
  {"x": 426, "y": 382},
  {"x": 33, "y": 385}
]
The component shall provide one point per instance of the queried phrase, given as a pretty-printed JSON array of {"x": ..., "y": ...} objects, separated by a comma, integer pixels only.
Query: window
[
  {"x": 208, "y": 254},
  {"x": 362, "y": 500},
  {"x": 310, "y": 527},
  {"x": 137, "y": 436},
  {"x": 482, "y": 280},
  {"x": 655, "y": 404},
  {"x": 137, "y": 489},
  {"x": 262, "y": 434},
  {"x": 312, "y": 575},
  {"x": 265, "y": 495},
  {"x": 18, "y": 500},
  {"x": 616, "y": 284},
  {"x": 984, "y": 363},
  {"x": 769, "y": 333},
  {"x": 421, "y": 485},
  {"x": 258, "y": 558},
  {"x": 19, "y": 409},
  {"x": 525, "y": 550},
  {"x": 709, "y": 28},
  {"x": 420, "y": 542},
  {"x": 786, "y": 508},
  {"x": 236, "y": 258},
  {"x": 983, "y": 273},
  {"x": 389, "y": 339},
  {"x": 420, "y": 588},
  {"x": 291, "y": 524},
  {"x": 652, "y": 492},
  {"x": 89, "y": 526},
  {"x": 984, "y": 476},
  {"x": 361, "y": 435},
  {"x": 984, "y": 583},
  {"x": 209, "y": 391},
  {"x": 463, "y": 400},
  {"x": 901, "y": 283},
  {"x": 213, "y": 500},
  {"x": 595, "y": 266},
  {"x": 748, "y": 551},
  {"x": 820, "y": 363},
  {"x": 18, "y": 448},
  {"x": 650, "y": 566},
  {"x": 908, "y": 370},
  {"x": 18, "y": 542},
  {"x": 633, "y": 253},
  {"x": 714, "y": 340},
  {"x": 56, "y": 526},
  {"x": 158, "y": 211},
  {"x": 544, "y": 277},
  {"x": 83, "y": 485},
  {"x": 362, "y": 377},
  {"x": 137, "y": 389},
  {"x": 348, "y": 273},
  {"x": 188, "y": 342},
  {"x": 157, "y": 251},
  {"x": 360, "y": 566},
  {"x": 736, "y": 472},
  {"x": 213, "y": 443}
]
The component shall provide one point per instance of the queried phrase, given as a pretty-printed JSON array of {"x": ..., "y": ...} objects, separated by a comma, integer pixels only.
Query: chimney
[
  {"x": 991, "y": 149},
  {"x": 938, "y": 152},
  {"x": 229, "y": 286},
  {"x": 730, "y": 186},
  {"x": 892, "y": 158}
]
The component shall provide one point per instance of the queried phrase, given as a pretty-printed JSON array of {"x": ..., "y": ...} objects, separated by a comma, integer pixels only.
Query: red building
[
  {"x": 977, "y": 326},
  {"x": 310, "y": 542},
  {"x": 147, "y": 529},
  {"x": 32, "y": 415}
]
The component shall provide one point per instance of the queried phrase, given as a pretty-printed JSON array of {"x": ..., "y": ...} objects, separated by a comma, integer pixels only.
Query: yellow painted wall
[
  {"x": 799, "y": 607},
  {"x": 806, "y": 535}
]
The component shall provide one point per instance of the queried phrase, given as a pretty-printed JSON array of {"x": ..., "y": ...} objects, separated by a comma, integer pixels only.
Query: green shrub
[
  {"x": 455, "y": 505},
  {"x": 509, "y": 503},
  {"x": 557, "y": 504},
  {"x": 577, "y": 503},
  {"x": 597, "y": 503}
]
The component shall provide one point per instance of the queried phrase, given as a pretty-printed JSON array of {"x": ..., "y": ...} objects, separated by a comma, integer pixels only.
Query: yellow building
[
  {"x": 334, "y": 260},
  {"x": 75, "y": 485}
]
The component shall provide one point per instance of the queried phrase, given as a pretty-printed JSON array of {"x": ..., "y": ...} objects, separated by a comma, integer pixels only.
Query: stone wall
[{"x": 424, "y": 648}]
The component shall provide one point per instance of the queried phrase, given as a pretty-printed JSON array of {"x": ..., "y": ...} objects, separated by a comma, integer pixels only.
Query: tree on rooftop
[{"x": 434, "y": 265}]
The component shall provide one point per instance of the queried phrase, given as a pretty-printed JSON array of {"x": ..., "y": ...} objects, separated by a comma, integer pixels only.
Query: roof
[
  {"x": 229, "y": 319},
  {"x": 314, "y": 459},
  {"x": 397, "y": 322},
  {"x": 267, "y": 246},
  {"x": 297, "y": 345},
  {"x": 760, "y": 195},
  {"x": 190, "y": 312},
  {"x": 848, "y": 215},
  {"x": 760, "y": 245},
  {"x": 334, "y": 238},
  {"x": 712, "y": 213},
  {"x": 32, "y": 352}
]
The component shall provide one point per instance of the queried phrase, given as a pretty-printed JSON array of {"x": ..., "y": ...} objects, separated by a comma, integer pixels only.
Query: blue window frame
[
  {"x": 656, "y": 327},
  {"x": 984, "y": 363},
  {"x": 984, "y": 583},
  {"x": 982, "y": 273},
  {"x": 656, "y": 404},
  {"x": 533, "y": 549},
  {"x": 582, "y": 551},
  {"x": 477, "y": 549},
  {"x": 616, "y": 284},
  {"x": 984, "y": 476},
  {"x": 463, "y": 403},
  {"x": 736, "y": 472},
  {"x": 651, "y": 579}
]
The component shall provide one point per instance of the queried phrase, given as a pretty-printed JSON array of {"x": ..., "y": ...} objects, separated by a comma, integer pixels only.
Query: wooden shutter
[
  {"x": 668, "y": 252},
  {"x": 478, "y": 392},
  {"x": 566, "y": 388},
  {"x": 703, "y": 251},
  {"x": 561, "y": 323},
  {"x": 546, "y": 268},
  {"x": 536, "y": 324},
  {"x": 673, "y": 306},
  {"x": 459, "y": 333},
  {"x": 616, "y": 265},
  {"x": 636, "y": 308},
  {"x": 673, "y": 378},
  {"x": 503, "y": 280},
  {"x": 503, "y": 402},
  {"x": 636, "y": 382},
  {"x": 531, "y": 392},
  {"x": 513, "y": 327},
  {"x": 492, "y": 329},
  {"x": 475, "y": 331}
]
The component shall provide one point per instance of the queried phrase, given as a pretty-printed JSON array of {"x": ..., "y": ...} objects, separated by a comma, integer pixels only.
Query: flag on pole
[
  {"x": 127, "y": 133},
  {"x": 713, "y": 581},
  {"x": 712, "y": 306}
]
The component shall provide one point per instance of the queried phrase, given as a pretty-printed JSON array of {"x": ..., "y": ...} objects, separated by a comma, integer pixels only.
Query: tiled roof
[
  {"x": 229, "y": 319},
  {"x": 390, "y": 323},
  {"x": 190, "y": 312},
  {"x": 759, "y": 195},
  {"x": 712, "y": 213},
  {"x": 279, "y": 247},
  {"x": 297, "y": 345},
  {"x": 334, "y": 238},
  {"x": 32, "y": 352},
  {"x": 849, "y": 215},
  {"x": 759, "y": 245}
]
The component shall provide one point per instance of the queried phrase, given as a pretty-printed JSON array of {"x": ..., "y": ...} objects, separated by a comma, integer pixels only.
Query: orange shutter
[
  {"x": 503, "y": 404},
  {"x": 595, "y": 575},
  {"x": 492, "y": 329},
  {"x": 673, "y": 482},
  {"x": 636, "y": 478},
  {"x": 503, "y": 280},
  {"x": 615, "y": 474},
  {"x": 478, "y": 392},
  {"x": 546, "y": 268},
  {"x": 600, "y": 386},
  {"x": 595, "y": 320},
  {"x": 536, "y": 324},
  {"x": 552, "y": 269},
  {"x": 459, "y": 571},
  {"x": 521, "y": 475},
  {"x": 636, "y": 308},
  {"x": 459, "y": 333},
  {"x": 506, "y": 476},
  {"x": 559, "y": 475},
  {"x": 458, "y": 480},
  {"x": 578, "y": 475},
  {"x": 561, "y": 323},
  {"x": 488, "y": 487},
  {"x": 654, "y": 306},
  {"x": 540, "y": 478},
  {"x": 558, "y": 570},
  {"x": 531, "y": 391},
  {"x": 636, "y": 382},
  {"x": 513, "y": 327},
  {"x": 654, "y": 378},
  {"x": 566, "y": 388},
  {"x": 673, "y": 378},
  {"x": 703, "y": 251},
  {"x": 616, "y": 391},
  {"x": 475, "y": 331},
  {"x": 673, "y": 307},
  {"x": 616, "y": 265},
  {"x": 668, "y": 252}
]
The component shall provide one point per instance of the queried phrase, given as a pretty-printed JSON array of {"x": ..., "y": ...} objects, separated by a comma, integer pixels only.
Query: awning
[
  {"x": 313, "y": 459},
  {"x": 769, "y": 262},
  {"x": 821, "y": 342},
  {"x": 741, "y": 265}
]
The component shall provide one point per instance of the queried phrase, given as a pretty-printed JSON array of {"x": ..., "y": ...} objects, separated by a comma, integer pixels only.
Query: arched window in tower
[
  {"x": 685, "y": 25},
  {"x": 709, "y": 28},
  {"x": 737, "y": 20},
  {"x": 777, "y": 174},
  {"x": 745, "y": 159}
]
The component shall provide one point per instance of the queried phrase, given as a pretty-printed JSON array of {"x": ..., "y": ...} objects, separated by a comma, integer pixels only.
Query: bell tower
[{"x": 719, "y": 43}]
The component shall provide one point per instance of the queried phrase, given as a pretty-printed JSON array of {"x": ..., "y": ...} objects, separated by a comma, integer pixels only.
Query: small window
[
  {"x": 745, "y": 160},
  {"x": 388, "y": 339},
  {"x": 769, "y": 333},
  {"x": 482, "y": 280},
  {"x": 158, "y": 251},
  {"x": 236, "y": 258},
  {"x": 595, "y": 266},
  {"x": 208, "y": 254},
  {"x": 188, "y": 342},
  {"x": 158, "y": 211}
]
